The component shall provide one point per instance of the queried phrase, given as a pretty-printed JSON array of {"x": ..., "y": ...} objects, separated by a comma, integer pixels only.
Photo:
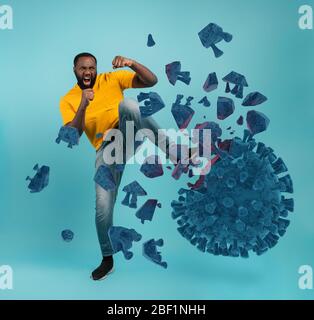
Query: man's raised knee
[{"x": 128, "y": 105}]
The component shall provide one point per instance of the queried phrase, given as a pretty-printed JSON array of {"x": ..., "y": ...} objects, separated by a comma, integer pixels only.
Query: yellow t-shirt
[{"x": 102, "y": 113}]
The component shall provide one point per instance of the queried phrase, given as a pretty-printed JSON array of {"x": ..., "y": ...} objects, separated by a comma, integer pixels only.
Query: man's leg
[
  {"x": 105, "y": 201},
  {"x": 129, "y": 111}
]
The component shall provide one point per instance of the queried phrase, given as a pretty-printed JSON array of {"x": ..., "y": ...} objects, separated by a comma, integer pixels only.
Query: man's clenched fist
[
  {"x": 87, "y": 96},
  {"x": 120, "y": 62}
]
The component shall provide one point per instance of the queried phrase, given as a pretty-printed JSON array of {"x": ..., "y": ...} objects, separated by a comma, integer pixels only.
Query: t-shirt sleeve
[
  {"x": 125, "y": 78},
  {"x": 67, "y": 112}
]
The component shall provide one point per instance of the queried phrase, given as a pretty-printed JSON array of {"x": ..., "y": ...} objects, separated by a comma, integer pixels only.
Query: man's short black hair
[{"x": 81, "y": 55}]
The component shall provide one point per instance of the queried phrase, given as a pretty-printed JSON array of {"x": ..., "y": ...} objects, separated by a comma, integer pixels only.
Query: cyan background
[{"x": 36, "y": 69}]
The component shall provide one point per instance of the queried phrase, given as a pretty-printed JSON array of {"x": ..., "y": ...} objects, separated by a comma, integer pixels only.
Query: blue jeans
[{"x": 105, "y": 200}]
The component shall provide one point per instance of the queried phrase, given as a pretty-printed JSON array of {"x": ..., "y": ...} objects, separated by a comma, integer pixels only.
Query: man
[{"x": 95, "y": 105}]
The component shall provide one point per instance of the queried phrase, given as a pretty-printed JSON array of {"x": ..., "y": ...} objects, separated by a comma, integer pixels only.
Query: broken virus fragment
[
  {"x": 152, "y": 167},
  {"x": 256, "y": 121},
  {"x": 179, "y": 169},
  {"x": 147, "y": 210},
  {"x": 216, "y": 131},
  {"x": 182, "y": 113},
  {"x": 104, "y": 178},
  {"x": 213, "y": 34},
  {"x": 121, "y": 239},
  {"x": 211, "y": 82},
  {"x": 240, "y": 121},
  {"x": 253, "y": 99},
  {"x": 99, "y": 135},
  {"x": 174, "y": 73},
  {"x": 210, "y": 131},
  {"x": 132, "y": 190},
  {"x": 239, "y": 82},
  {"x": 150, "y": 41},
  {"x": 40, "y": 180},
  {"x": 68, "y": 134},
  {"x": 150, "y": 252},
  {"x": 225, "y": 108},
  {"x": 204, "y": 101},
  {"x": 120, "y": 167},
  {"x": 67, "y": 235},
  {"x": 152, "y": 104}
]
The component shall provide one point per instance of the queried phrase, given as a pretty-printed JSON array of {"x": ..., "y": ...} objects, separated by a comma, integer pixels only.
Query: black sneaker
[{"x": 105, "y": 268}]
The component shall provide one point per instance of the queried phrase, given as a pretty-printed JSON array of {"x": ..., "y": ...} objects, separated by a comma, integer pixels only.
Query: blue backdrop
[{"x": 36, "y": 70}]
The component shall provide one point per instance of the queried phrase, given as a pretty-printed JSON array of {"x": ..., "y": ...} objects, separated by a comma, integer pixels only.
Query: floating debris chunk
[
  {"x": 174, "y": 73},
  {"x": 199, "y": 134},
  {"x": 152, "y": 167},
  {"x": 256, "y": 121},
  {"x": 147, "y": 210},
  {"x": 150, "y": 41},
  {"x": 152, "y": 104},
  {"x": 240, "y": 121},
  {"x": 122, "y": 239},
  {"x": 134, "y": 190},
  {"x": 150, "y": 252},
  {"x": 204, "y": 101},
  {"x": 211, "y": 82},
  {"x": 182, "y": 113},
  {"x": 99, "y": 135},
  {"x": 104, "y": 178},
  {"x": 119, "y": 167},
  {"x": 69, "y": 135},
  {"x": 67, "y": 235},
  {"x": 40, "y": 180},
  {"x": 179, "y": 169},
  {"x": 254, "y": 99},
  {"x": 239, "y": 82},
  {"x": 225, "y": 108},
  {"x": 216, "y": 131},
  {"x": 213, "y": 34}
]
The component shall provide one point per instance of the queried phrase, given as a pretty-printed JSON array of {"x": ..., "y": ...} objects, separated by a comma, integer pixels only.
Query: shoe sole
[{"x": 104, "y": 277}]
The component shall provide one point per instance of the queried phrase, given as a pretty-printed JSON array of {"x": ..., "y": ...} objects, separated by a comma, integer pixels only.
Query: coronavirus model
[{"x": 241, "y": 205}]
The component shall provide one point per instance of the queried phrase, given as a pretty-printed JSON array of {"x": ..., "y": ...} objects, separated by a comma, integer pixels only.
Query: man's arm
[
  {"x": 144, "y": 78},
  {"x": 78, "y": 121}
]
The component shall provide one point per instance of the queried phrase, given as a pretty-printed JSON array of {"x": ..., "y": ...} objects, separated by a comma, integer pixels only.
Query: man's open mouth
[{"x": 87, "y": 81}]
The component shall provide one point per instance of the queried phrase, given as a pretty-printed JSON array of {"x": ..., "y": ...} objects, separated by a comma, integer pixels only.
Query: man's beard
[{"x": 81, "y": 84}]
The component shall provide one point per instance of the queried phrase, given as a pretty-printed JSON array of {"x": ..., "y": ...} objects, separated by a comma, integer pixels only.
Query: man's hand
[
  {"x": 87, "y": 96},
  {"x": 79, "y": 120},
  {"x": 120, "y": 62},
  {"x": 144, "y": 78}
]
